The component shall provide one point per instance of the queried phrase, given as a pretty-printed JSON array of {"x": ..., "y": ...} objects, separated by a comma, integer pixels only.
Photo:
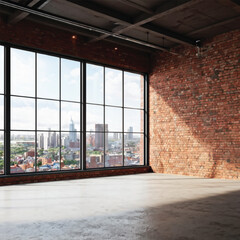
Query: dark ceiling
[{"x": 148, "y": 25}]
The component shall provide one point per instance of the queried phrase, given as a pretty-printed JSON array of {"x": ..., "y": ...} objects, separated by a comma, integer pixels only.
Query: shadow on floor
[{"x": 211, "y": 218}]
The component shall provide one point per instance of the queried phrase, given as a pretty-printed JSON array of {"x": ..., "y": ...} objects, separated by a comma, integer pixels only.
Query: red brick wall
[
  {"x": 34, "y": 35},
  {"x": 20, "y": 179},
  {"x": 195, "y": 110}
]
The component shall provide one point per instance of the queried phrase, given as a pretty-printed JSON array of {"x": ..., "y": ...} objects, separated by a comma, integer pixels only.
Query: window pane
[
  {"x": 47, "y": 76},
  {"x": 113, "y": 87},
  {"x": 94, "y": 84},
  {"x": 94, "y": 117},
  {"x": 70, "y": 151},
  {"x": 48, "y": 149},
  {"x": 47, "y": 115},
  {"x": 70, "y": 116},
  {"x": 22, "y": 113},
  {"x": 22, "y": 72},
  {"x": 1, "y": 112},
  {"x": 22, "y": 152},
  {"x": 1, "y": 69},
  {"x": 95, "y": 150},
  {"x": 133, "y": 120},
  {"x": 113, "y": 119},
  {"x": 113, "y": 151},
  {"x": 70, "y": 75},
  {"x": 133, "y": 90},
  {"x": 1, "y": 152},
  {"x": 133, "y": 149}
]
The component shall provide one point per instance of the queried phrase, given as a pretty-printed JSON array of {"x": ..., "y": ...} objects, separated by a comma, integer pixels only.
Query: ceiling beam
[
  {"x": 137, "y": 6},
  {"x": 164, "y": 9},
  {"x": 86, "y": 35},
  {"x": 167, "y": 8},
  {"x": 215, "y": 25},
  {"x": 233, "y": 4},
  {"x": 18, "y": 16},
  {"x": 80, "y": 25},
  {"x": 99, "y": 10}
]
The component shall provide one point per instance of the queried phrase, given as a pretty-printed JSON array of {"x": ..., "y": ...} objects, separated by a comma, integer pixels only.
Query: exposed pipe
[{"x": 80, "y": 25}]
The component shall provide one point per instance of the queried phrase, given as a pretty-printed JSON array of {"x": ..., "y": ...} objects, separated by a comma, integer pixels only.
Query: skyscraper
[
  {"x": 72, "y": 132},
  {"x": 41, "y": 141},
  {"x": 130, "y": 133},
  {"x": 53, "y": 140},
  {"x": 99, "y": 136}
]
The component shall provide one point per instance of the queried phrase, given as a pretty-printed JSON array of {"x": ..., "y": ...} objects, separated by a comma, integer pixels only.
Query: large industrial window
[
  {"x": 115, "y": 117},
  {"x": 66, "y": 114}
]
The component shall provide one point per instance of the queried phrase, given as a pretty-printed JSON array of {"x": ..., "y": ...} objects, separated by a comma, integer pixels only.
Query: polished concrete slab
[{"x": 143, "y": 206}]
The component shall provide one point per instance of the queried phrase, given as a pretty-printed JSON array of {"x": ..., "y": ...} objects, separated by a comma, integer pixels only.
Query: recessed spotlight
[
  {"x": 74, "y": 37},
  {"x": 115, "y": 48}
]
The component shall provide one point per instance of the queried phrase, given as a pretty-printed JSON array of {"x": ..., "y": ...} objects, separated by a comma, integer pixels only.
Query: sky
[{"x": 23, "y": 74}]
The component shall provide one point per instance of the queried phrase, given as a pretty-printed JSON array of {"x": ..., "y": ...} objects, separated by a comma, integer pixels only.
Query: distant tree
[{"x": 1, "y": 164}]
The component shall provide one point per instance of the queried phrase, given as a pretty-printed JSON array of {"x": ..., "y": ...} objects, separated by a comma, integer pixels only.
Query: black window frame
[{"x": 83, "y": 103}]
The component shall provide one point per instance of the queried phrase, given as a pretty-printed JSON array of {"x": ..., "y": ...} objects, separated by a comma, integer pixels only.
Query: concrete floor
[{"x": 144, "y": 206}]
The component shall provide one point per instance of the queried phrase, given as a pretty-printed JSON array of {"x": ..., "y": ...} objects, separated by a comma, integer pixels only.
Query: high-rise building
[
  {"x": 41, "y": 141},
  {"x": 72, "y": 132},
  {"x": 65, "y": 141},
  {"x": 53, "y": 140},
  {"x": 100, "y": 135},
  {"x": 115, "y": 136},
  {"x": 130, "y": 133},
  {"x": 49, "y": 138},
  {"x": 46, "y": 141}
]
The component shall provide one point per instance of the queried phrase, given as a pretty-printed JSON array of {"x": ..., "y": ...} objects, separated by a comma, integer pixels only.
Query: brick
[{"x": 194, "y": 111}]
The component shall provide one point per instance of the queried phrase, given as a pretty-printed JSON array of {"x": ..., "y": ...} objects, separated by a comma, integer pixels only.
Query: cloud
[
  {"x": 22, "y": 113},
  {"x": 113, "y": 87},
  {"x": 94, "y": 84},
  {"x": 48, "y": 115},
  {"x": 75, "y": 73},
  {"x": 94, "y": 116},
  {"x": 22, "y": 72},
  {"x": 132, "y": 90}
]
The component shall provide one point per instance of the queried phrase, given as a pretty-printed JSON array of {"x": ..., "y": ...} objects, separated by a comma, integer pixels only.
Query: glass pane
[
  {"x": 47, "y": 115},
  {"x": 133, "y": 120},
  {"x": 70, "y": 151},
  {"x": 94, "y": 84},
  {"x": 133, "y": 90},
  {"x": 95, "y": 150},
  {"x": 47, "y": 76},
  {"x": 70, "y": 75},
  {"x": 133, "y": 149},
  {"x": 113, "y": 119},
  {"x": 22, "y": 113},
  {"x": 48, "y": 151},
  {"x": 70, "y": 116},
  {"x": 22, "y": 152},
  {"x": 1, "y": 152},
  {"x": 22, "y": 72},
  {"x": 113, "y": 150},
  {"x": 1, "y": 112},
  {"x": 113, "y": 87},
  {"x": 94, "y": 117},
  {"x": 1, "y": 69}
]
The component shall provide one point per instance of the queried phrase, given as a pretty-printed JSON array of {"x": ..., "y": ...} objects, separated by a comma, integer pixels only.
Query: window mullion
[
  {"x": 7, "y": 109},
  {"x": 84, "y": 115}
]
